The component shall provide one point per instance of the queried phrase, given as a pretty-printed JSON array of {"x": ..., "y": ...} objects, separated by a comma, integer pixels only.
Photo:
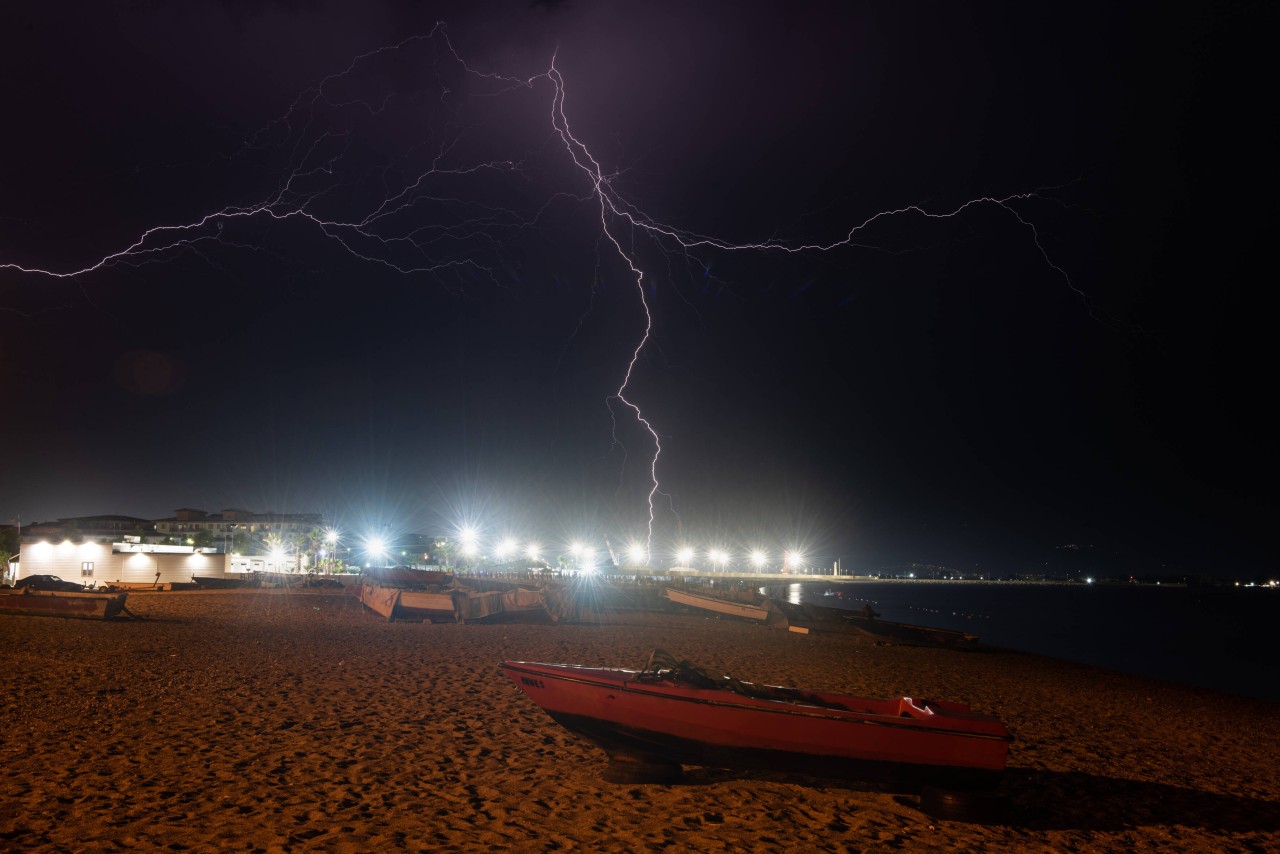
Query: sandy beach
[{"x": 298, "y": 721}]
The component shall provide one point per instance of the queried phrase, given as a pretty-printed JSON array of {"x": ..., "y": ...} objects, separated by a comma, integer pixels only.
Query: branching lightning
[{"x": 392, "y": 232}]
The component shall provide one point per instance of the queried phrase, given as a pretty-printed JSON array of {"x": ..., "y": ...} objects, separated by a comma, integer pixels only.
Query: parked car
[{"x": 48, "y": 583}]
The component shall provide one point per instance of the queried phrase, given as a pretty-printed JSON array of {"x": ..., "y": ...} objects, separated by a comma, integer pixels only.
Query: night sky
[{"x": 1088, "y": 363}]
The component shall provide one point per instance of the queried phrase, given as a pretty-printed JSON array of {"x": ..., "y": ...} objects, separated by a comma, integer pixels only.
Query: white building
[{"x": 96, "y": 563}]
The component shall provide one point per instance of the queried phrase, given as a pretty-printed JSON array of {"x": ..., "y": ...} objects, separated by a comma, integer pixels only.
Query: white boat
[{"x": 718, "y": 606}]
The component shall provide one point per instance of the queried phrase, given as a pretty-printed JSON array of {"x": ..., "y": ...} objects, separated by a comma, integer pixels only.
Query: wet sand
[{"x": 298, "y": 721}]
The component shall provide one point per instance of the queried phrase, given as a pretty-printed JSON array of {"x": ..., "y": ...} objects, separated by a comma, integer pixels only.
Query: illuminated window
[{"x": 86, "y": 569}]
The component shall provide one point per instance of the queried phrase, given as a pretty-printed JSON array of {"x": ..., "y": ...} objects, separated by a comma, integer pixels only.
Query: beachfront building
[
  {"x": 235, "y": 530},
  {"x": 94, "y": 550},
  {"x": 87, "y": 529},
  {"x": 231, "y": 530},
  {"x": 93, "y": 563}
]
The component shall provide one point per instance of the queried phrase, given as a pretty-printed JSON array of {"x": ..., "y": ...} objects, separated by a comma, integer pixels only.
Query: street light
[
  {"x": 331, "y": 537},
  {"x": 468, "y": 542},
  {"x": 376, "y": 547},
  {"x": 277, "y": 556}
]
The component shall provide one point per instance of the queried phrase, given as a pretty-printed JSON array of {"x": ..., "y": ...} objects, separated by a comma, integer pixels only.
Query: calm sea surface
[{"x": 1214, "y": 637}]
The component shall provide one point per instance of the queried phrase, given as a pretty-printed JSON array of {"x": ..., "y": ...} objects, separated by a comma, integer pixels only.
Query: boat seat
[{"x": 909, "y": 709}]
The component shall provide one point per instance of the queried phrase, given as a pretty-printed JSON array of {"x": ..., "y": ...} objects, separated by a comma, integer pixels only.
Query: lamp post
[
  {"x": 331, "y": 537},
  {"x": 718, "y": 558},
  {"x": 4, "y": 570}
]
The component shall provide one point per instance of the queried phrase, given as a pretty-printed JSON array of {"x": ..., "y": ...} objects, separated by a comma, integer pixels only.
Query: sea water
[{"x": 1212, "y": 637}]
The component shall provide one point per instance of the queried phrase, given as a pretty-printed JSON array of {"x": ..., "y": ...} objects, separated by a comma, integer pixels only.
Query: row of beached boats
[
  {"x": 401, "y": 593},
  {"x": 654, "y": 720}
]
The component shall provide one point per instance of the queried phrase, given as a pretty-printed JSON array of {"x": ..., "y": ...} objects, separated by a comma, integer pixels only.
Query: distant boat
[
  {"x": 117, "y": 586},
  {"x": 722, "y": 607},
  {"x": 652, "y": 721},
  {"x": 210, "y": 582},
  {"x": 89, "y": 606},
  {"x": 906, "y": 634},
  {"x": 841, "y": 620}
]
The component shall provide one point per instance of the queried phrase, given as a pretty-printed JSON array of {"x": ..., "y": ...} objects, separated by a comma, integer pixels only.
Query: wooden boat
[
  {"x": 404, "y": 593},
  {"x": 516, "y": 604},
  {"x": 213, "y": 582},
  {"x": 117, "y": 586},
  {"x": 722, "y": 607},
  {"x": 906, "y": 634},
  {"x": 842, "y": 620},
  {"x": 90, "y": 606},
  {"x": 652, "y": 721},
  {"x": 399, "y": 603},
  {"x": 454, "y": 603}
]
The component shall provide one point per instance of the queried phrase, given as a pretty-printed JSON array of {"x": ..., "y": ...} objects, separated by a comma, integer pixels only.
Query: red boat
[{"x": 652, "y": 721}]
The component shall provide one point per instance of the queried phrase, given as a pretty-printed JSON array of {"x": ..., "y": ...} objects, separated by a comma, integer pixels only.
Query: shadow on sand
[
  {"x": 1068, "y": 800},
  {"x": 1060, "y": 800}
]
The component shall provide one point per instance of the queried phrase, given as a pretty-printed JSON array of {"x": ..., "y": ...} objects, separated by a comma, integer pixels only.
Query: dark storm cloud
[{"x": 936, "y": 392}]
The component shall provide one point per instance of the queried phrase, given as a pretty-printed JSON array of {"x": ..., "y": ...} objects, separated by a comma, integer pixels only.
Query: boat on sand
[
  {"x": 906, "y": 634},
  {"x": 90, "y": 606},
  {"x": 868, "y": 623},
  {"x": 401, "y": 593},
  {"x": 723, "y": 607},
  {"x": 671, "y": 713}
]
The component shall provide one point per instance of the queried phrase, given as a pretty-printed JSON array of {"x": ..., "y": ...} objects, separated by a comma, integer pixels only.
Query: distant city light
[
  {"x": 506, "y": 548},
  {"x": 759, "y": 559},
  {"x": 637, "y": 554},
  {"x": 684, "y": 555}
]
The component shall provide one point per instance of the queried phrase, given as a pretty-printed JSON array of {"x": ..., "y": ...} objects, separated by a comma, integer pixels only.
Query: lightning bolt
[{"x": 393, "y": 233}]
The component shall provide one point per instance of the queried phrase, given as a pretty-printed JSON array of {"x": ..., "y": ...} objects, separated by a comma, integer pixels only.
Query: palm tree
[{"x": 314, "y": 543}]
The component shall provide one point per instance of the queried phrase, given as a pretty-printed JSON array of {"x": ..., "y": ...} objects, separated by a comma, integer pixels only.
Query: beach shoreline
[{"x": 297, "y": 720}]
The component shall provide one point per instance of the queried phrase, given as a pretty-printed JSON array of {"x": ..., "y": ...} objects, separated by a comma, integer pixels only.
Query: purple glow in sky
[{"x": 318, "y": 258}]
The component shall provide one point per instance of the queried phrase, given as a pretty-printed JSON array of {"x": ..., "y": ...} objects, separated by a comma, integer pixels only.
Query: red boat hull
[{"x": 658, "y": 721}]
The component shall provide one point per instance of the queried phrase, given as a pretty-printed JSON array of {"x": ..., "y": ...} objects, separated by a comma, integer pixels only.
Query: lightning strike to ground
[{"x": 387, "y": 234}]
